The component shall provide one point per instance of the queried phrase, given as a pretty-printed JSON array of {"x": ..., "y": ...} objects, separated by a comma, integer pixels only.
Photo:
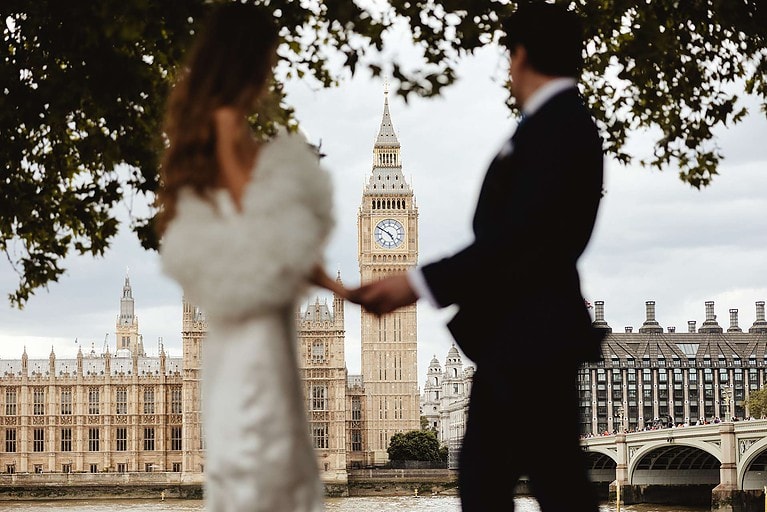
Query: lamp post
[
  {"x": 727, "y": 392},
  {"x": 620, "y": 418}
]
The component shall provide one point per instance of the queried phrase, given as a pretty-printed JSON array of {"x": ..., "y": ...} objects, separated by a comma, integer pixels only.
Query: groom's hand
[{"x": 385, "y": 295}]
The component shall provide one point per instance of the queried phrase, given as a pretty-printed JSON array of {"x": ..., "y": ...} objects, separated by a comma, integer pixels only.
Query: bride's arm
[{"x": 320, "y": 278}]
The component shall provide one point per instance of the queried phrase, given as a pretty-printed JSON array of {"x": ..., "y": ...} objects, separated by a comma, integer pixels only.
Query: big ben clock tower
[{"x": 387, "y": 241}]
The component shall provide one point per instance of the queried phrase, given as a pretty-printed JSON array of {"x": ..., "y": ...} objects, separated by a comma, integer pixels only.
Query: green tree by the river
[
  {"x": 757, "y": 402},
  {"x": 420, "y": 445}
]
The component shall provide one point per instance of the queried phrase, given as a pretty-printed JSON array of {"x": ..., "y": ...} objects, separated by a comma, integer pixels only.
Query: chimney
[
  {"x": 629, "y": 329},
  {"x": 672, "y": 329},
  {"x": 599, "y": 316},
  {"x": 650, "y": 324},
  {"x": 690, "y": 325},
  {"x": 760, "y": 324},
  {"x": 710, "y": 325},
  {"x": 734, "y": 322}
]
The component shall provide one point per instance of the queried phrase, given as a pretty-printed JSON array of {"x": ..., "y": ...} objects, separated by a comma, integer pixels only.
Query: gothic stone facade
[
  {"x": 125, "y": 411},
  {"x": 120, "y": 411}
]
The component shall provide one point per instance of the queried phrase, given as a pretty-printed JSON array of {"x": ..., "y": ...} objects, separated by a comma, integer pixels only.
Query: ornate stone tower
[
  {"x": 431, "y": 405},
  {"x": 126, "y": 327},
  {"x": 387, "y": 241},
  {"x": 193, "y": 332},
  {"x": 322, "y": 365}
]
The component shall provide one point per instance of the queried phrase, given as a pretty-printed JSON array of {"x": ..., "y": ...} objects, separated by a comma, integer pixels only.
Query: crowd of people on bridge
[{"x": 666, "y": 422}]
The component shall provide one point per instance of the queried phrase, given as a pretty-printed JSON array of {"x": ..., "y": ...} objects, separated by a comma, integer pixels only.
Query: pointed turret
[
  {"x": 24, "y": 362},
  {"x": 387, "y": 137},
  {"x": 52, "y": 363},
  {"x": 338, "y": 305},
  {"x": 80, "y": 362},
  {"x": 126, "y": 302},
  {"x": 107, "y": 362},
  {"x": 387, "y": 177},
  {"x": 163, "y": 358},
  {"x": 193, "y": 331},
  {"x": 126, "y": 327}
]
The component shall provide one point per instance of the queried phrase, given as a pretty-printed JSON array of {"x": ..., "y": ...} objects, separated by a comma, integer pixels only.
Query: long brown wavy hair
[{"x": 229, "y": 64}]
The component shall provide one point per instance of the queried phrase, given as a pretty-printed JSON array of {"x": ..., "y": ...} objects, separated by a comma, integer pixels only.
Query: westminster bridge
[{"x": 729, "y": 458}]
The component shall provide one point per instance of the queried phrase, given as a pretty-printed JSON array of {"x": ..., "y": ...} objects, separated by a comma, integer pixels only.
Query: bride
[{"x": 243, "y": 225}]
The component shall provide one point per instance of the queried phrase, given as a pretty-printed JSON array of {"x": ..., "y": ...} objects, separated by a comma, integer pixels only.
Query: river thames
[{"x": 367, "y": 504}]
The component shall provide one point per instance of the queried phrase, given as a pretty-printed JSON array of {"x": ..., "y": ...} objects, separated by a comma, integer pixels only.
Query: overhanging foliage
[{"x": 82, "y": 87}]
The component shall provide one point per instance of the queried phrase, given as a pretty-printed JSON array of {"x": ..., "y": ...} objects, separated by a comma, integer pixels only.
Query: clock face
[{"x": 389, "y": 233}]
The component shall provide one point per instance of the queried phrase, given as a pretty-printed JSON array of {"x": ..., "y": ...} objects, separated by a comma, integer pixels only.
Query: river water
[{"x": 367, "y": 504}]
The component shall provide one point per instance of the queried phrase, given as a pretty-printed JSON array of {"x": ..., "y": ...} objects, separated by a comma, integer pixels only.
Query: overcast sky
[{"x": 656, "y": 237}]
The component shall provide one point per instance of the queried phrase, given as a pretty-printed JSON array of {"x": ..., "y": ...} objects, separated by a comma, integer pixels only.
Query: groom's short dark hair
[{"x": 551, "y": 35}]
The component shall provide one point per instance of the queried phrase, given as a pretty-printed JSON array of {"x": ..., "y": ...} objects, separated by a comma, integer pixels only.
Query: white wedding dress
[{"x": 247, "y": 271}]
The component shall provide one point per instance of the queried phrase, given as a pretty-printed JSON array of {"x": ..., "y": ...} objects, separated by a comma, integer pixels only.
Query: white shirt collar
[{"x": 545, "y": 92}]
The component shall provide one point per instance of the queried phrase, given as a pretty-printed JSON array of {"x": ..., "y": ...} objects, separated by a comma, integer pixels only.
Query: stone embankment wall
[
  {"x": 361, "y": 482},
  {"x": 402, "y": 482},
  {"x": 47, "y": 486}
]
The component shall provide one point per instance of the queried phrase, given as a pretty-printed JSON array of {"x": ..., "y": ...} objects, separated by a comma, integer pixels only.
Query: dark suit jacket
[{"x": 517, "y": 286}]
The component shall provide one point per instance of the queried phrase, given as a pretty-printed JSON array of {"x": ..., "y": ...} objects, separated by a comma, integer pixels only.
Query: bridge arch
[
  {"x": 752, "y": 468},
  {"x": 650, "y": 446},
  {"x": 602, "y": 462},
  {"x": 603, "y": 450},
  {"x": 725, "y": 458},
  {"x": 671, "y": 461}
]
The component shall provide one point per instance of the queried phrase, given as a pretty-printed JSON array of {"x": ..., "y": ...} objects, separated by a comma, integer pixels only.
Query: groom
[{"x": 521, "y": 316}]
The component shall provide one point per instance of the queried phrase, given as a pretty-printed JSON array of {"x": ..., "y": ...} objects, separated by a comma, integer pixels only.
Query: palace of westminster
[{"x": 125, "y": 411}]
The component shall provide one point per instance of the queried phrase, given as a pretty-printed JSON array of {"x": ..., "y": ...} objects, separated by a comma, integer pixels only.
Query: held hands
[
  {"x": 378, "y": 297},
  {"x": 385, "y": 295}
]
